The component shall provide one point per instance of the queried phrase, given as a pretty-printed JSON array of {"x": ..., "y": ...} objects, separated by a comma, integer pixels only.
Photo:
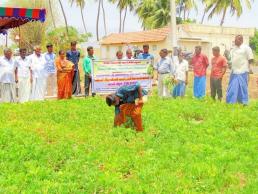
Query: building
[{"x": 189, "y": 35}]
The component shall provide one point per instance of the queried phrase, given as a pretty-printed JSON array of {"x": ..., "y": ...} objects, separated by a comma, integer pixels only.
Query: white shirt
[
  {"x": 7, "y": 70},
  {"x": 240, "y": 57},
  {"x": 38, "y": 66},
  {"x": 23, "y": 67},
  {"x": 181, "y": 69}
]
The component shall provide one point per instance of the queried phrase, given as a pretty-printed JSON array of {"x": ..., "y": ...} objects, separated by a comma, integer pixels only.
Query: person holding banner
[
  {"x": 64, "y": 76},
  {"x": 87, "y": 65},
  {"x": 145, "y": 54},
  {"x": 164, "y": 69},
  {"x": 128, "y": 102},
  {"x": 129, "y": 55},
  {"x": 119, "y": 55}
]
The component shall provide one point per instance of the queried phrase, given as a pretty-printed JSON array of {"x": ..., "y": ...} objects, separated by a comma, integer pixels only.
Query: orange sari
[{"x": 64, "y": 78}]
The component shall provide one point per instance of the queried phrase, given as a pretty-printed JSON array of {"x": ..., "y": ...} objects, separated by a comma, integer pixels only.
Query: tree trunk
[
  {"x": 51, "y": 12},
  {"x": 184, "y": 13},
  {"x": 97, "y": 23},
  {"x": 203, "y": 16},
  {"x": 223, "y": 16},
  {"x": 104, "y": 17},
  {"x": 120, "y": 20},
  {"x": 123, "y": 30},
  {"x": 188, "y": 14},
  {"x": 66, "y": 25},
  {"x": 83, "y": 21}
]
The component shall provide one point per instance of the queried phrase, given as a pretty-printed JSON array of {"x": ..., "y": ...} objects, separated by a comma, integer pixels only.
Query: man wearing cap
[
  {"x": 128, "y": 102},
  {"x": 51, "y": 70}
]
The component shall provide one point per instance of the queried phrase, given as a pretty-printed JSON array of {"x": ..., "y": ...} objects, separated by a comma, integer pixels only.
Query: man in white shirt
[
  {"x": 241, "y": 60},
  {"x": 39, "y": 75},
  {"x": 164, "y": 69},
  {"x": 51, "y": 71},
  {"x": 7, "y": 77},
  {"x": 129, "y": 55},
  {"x": 181, "y": 75},
  {"x": 24, "y": 76}
]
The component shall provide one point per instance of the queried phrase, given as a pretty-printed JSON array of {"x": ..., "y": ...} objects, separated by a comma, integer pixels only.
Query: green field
[{"x": 188, "y": 146}]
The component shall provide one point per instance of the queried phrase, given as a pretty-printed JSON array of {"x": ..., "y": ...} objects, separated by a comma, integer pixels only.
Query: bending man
[{"x": 126, "y": 105}]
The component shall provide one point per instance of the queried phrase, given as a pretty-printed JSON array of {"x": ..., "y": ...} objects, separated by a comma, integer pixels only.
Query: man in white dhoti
[
  {"x": 7, "y": 77},
  {"x": 24, "y": 75},
  {"x": 39, "y": 75}
]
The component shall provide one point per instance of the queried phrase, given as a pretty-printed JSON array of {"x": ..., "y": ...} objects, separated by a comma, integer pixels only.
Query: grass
[{"x": 188, "y": 146}]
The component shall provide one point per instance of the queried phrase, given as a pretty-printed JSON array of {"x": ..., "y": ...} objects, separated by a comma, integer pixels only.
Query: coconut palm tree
[
  {"x": 51, "y": 12},
  {"x": 81, "y": 5},
  {"x": 217, "y": 7},
  {"x": 65, "y": 19},
  {"x": 123, "y": 5},
  {"x": 98, "y": 15},
  {"x": 156, "y": 13},
  {"x": 104, "y": 17}
]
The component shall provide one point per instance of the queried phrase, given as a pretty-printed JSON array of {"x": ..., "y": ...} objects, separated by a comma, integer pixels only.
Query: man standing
[
  {"x": 219, "y": 67},
  {"x": 200, "y": 64},
  {"x": 51, "y": 70},
  {"x": 181, "y": 75},
  {"x": 24, "y": 73},
  {"x": 164, "y": 68},
  {"x": 146, "y": 54},
  {"x": 119, "y": 55},
  {"x": 126, "y": 105},
  {"x": 8, "y": 77},
  {"x": 39, "y": 75},
  {"x": 87, "y": 68},
  {"x": 129, "y": 55},
  {"x": 73, "y": 55},
  {"x": 241, "y": 60}
]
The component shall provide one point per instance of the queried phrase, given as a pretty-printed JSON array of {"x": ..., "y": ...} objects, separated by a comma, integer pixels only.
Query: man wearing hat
[
  {"x": 51, "y": 70},
  {"x": 128, "y": 102}
]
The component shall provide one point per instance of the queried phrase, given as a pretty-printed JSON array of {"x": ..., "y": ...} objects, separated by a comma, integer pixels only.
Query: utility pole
[{"x": 173, "y": 29}]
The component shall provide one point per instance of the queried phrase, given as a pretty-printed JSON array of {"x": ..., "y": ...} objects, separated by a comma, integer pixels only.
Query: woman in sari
[{"x": 64, "y": 76}]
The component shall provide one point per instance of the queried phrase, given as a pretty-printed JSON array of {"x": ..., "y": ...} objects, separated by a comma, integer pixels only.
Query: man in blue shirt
[
  {"x": 51, "y": 70},
  {"x": 73, "y": 55},
  {"x": 164, "y": 68},
  {"x": 146, "y": 54},
  {"x": 126, "y": 104}
]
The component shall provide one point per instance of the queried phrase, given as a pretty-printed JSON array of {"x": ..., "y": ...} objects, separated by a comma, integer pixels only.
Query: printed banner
[{"x": 109, "y": 75}]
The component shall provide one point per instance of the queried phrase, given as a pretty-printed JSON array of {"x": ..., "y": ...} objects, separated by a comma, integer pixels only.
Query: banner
[{"x": 109, "y": 75}]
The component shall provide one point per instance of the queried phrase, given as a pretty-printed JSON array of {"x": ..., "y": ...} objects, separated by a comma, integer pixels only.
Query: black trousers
[
  {"x": 76, "y": 83},
  {"x": 87, "y": 85},
  {"x": 216, "y": 88}
]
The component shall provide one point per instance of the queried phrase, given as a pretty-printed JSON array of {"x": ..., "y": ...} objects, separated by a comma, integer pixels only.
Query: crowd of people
[
  {"x": 38, "y": 75},
  {"x": 241, "y": 59}
]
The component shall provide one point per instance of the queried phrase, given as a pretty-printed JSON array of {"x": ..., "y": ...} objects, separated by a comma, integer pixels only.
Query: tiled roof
[{"x": 137, "y": 37}]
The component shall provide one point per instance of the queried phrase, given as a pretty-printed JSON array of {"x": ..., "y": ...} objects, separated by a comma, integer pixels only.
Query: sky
[{"x": 248, "y": 19}]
